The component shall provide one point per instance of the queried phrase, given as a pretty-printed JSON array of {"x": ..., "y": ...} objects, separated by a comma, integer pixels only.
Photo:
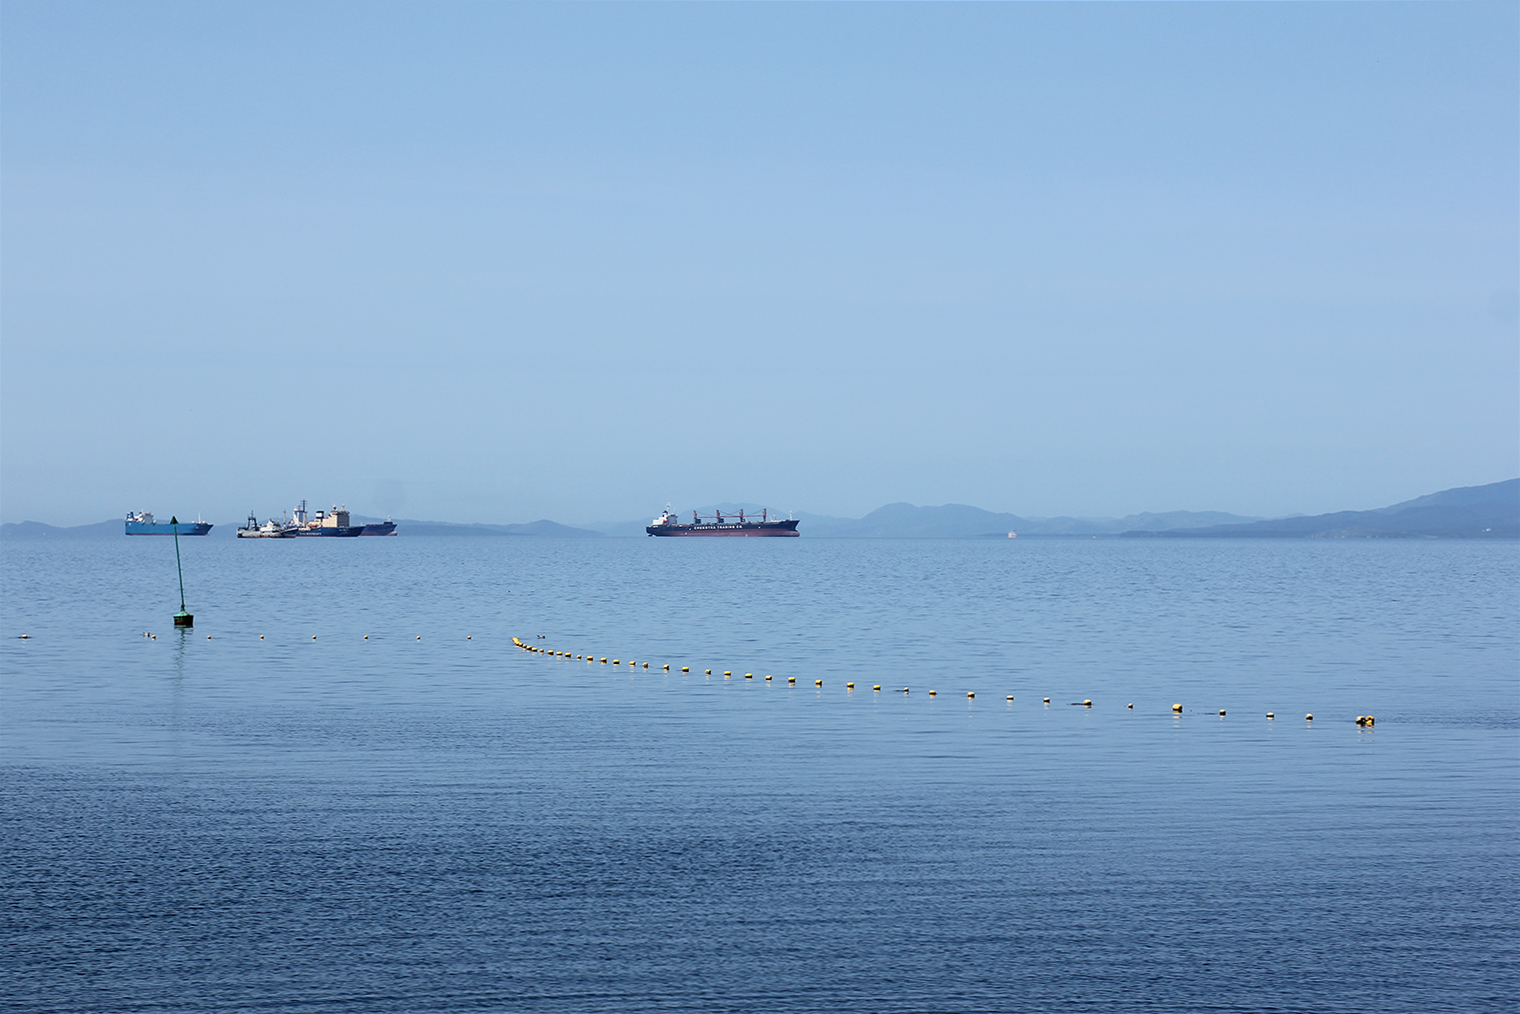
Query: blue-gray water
[{"x": 451, "y": 824}]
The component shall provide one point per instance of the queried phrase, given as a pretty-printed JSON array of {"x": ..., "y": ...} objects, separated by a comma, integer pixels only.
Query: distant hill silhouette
[
  {"x": 952, "y": 521},
  {"x": 1467, "y": 512},
  {"x": 38, "y": 530},
  {"x": 539, "y": 529},
  {"x": 960, "y": 521}
]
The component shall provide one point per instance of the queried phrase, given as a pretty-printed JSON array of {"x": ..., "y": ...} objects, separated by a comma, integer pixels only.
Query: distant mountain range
[
  {"x": 958, "y": 521},
  {"x": 952, "y": 521},
  {"x": 1469, "y": 512},
  {"x": 38, "y": 530},
  {"x": 541, "y": 529}
]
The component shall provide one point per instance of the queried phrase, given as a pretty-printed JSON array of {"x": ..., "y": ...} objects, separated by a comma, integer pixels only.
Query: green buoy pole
[{"x": 181, "y": 618}]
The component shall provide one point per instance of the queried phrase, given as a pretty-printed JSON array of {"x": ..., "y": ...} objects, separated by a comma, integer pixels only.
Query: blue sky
[{"x": 490, "y": 262}]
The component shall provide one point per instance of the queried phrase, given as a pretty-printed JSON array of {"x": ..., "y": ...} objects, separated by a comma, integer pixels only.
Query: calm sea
[{"x": 275, "y": 812}]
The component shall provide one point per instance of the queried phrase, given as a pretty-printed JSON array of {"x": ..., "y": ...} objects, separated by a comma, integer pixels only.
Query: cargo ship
[
  {"x": 298, "y": 523},
  {"x": 142, "y": 523},
  {"x": 333, "y": 523},
  {"x": 668, "y": 524}
]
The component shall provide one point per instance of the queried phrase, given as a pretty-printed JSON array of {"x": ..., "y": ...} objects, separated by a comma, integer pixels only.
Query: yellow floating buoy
[
  {"x": 1221, "y": 712},
  {"x": 1010, "y": 697},
  {"x": 904, "y": 690},
  {"x": 1130, "y": 706},
  {"x": 604, "y": 660},
  {"x": 876, "y": 687},
  {"x": 1308, "y": 718},
  {"x": 818, "y": 683},
  {"x": 667, "y": 668},
  {"x": 849, "y": 686},
  {"x": 1370, "y": 720},
  {"x": 708, "y": 671},
  {"x": 727, "y": 673},
  {"x": 749, "y": 675},
  {"x": 1270, "y": 715},
  {"x": 1087, "y": 704},
  {"x": 208, "y": 637},
  {"x": 686, "y": 668},
  {"x": 970, "y": 693},
  {"x": 614, "y": 661},
  {"x": 419, "y": 637},
  {"x": 313, "y": 637},
  {"x": 1047, "y": 700},
  {"x": 791, "y": 679},
  {"x": 1176, "y": 707},
  {"x": 646, "y": 665},
  {"x": 767, "y": 675},
  {"x": 468, "y": 637},
  {"x": 261, "y": 637},
  {"x": 933, "y": 692}
]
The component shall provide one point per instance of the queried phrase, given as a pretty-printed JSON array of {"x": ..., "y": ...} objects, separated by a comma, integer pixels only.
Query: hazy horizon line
[{"x": 745, "y": 505}]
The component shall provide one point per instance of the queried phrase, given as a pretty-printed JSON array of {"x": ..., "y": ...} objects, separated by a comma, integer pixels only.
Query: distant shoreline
[{"x": 1468, "y": 512}]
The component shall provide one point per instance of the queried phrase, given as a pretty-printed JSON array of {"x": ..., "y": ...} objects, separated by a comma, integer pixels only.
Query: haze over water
[{"x": 451, "y": 824}]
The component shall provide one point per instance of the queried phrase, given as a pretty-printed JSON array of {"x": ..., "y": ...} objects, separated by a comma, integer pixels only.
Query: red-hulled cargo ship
[{"x": 669, "y": 524}]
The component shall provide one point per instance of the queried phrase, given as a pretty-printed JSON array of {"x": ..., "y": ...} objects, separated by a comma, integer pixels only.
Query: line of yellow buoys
[
  {"x": 1365, "y": 721},
  {"x": 1362, "y": 721}
]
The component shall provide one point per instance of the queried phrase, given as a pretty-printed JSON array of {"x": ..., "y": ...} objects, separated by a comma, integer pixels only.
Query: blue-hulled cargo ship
[
  {"x": 333, "y": 523},
  {"x": 142, "y": 523}
]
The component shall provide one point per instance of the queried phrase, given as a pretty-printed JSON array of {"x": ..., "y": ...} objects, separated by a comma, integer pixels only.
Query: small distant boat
[
  {"x": 142, "y": 523},
  {"x": 386, "y": 527},
  {"x": 667, "y": 524},
  {"x": 270, "y": 529}
]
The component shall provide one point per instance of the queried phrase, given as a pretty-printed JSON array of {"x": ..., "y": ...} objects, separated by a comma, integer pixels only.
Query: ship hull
[
  {"x": 380, "y": 528},
  {"x": 761, "y": 529},
  {"x": 344, "y": 532},
  {"x": 165, "y": 528}
]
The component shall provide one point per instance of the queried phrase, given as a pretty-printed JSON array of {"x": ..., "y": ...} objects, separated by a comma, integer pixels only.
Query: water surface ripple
[{"x": 313, "y": 821}]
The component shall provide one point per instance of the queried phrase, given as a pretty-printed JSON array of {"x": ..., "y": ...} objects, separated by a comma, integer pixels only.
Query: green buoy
[{"x": 181, "y": 618}]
